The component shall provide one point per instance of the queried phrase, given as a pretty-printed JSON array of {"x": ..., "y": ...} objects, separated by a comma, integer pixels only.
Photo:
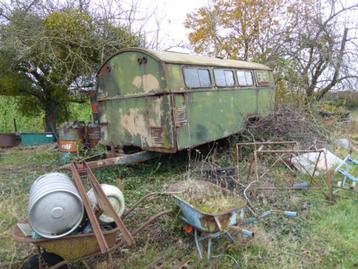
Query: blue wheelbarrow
[{"x": 204, "y": 225}]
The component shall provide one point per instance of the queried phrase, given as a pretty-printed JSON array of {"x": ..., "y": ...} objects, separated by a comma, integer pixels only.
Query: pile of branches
[{"x": 291, "y": 123}]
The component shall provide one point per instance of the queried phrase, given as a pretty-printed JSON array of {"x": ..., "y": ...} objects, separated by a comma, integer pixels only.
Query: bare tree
[{"x": 321, "y": 45}]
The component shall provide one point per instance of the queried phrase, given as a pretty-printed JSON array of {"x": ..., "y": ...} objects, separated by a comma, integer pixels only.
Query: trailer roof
[{"x": 183, "y": 58}]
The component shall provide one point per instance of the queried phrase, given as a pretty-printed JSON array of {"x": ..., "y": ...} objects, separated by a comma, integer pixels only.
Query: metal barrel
[
  {"x": 8, "y": 140},
  {"x": 70, "y": 135},
  {"x": 93, "y": 134},
  {"x": 55, "y": 206}
]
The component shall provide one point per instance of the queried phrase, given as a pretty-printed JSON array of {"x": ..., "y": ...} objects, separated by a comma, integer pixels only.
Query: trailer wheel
[{"x": 47, "y": 258}]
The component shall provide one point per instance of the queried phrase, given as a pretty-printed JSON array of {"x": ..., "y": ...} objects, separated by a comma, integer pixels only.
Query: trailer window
[
  {"x": 197, "y": 77},
  {"x": 244, "y": 78},
  {"x": 224, "y": 78},
  {"x": 264, "y": 78}
]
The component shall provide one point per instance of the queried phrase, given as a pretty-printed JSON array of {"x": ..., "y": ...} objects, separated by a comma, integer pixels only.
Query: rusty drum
[
  {"x": 8, "y": 140},
  {"x": 71, "y": 134},
  {"x": 93, "y": 134}
]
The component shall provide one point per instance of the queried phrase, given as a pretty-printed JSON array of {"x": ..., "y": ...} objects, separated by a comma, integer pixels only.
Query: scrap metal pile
[{"x": 67, "y": 222}]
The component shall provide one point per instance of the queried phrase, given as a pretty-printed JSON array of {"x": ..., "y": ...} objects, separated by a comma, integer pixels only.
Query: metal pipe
[
  {"x": 265, "y": 214},
  {"x": 247, "y": 233},
  {"x": 290, "y": 214}
]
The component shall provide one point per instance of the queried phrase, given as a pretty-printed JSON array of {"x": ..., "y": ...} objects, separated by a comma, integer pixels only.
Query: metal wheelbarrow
[
  {"x": 204, "y": 225},
  {"x": 66, "y": 249}
]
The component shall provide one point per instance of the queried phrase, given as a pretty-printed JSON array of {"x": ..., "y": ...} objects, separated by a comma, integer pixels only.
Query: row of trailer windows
[{"x": 196, "y": 77}]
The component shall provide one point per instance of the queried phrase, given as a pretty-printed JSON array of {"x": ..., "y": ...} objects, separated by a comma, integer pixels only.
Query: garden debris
[
  {"x": 315, "y": 161},
  {"x": 309, "y": 161},
  {"x": 207, "y": 197},
  {"x": 258, "y": 148},
  {"x": 291, "y": 123}
]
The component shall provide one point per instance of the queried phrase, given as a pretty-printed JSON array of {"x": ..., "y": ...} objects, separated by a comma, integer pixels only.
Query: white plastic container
[{"x": 115, "y": 197}]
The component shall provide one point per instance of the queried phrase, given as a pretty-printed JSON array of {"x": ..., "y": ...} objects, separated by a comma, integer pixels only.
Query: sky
[{"x": 171, "y": 14}]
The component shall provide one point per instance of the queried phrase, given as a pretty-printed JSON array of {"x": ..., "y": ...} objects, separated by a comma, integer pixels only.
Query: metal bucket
[{"x": 55, "y": 207}]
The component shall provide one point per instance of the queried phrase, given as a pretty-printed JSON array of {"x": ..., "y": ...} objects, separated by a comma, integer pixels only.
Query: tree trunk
[{"x": 51, "y": 118}]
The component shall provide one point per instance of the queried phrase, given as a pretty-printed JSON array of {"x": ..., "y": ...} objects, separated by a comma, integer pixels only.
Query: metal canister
[
  {"x": 55, "y": 207},
  {"x": 71, "y": 134},
  {"x": 8, "y": 140},
  {"x": 93, "y": 134}
]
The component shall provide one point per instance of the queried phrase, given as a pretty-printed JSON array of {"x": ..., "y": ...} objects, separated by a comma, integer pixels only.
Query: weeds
[{"x": 324, "y": 235}]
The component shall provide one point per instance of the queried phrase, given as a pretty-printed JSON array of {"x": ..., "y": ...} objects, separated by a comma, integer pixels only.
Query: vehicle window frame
[
  {"x": 197, "y": 68},
  {"x": 233, "y": 76},
  {"x": 252, "y": 78},
  {"x": 269, "y": 83}
]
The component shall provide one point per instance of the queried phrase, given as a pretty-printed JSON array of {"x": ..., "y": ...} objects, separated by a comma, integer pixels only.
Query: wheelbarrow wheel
[{"x": 49, "y": 259}]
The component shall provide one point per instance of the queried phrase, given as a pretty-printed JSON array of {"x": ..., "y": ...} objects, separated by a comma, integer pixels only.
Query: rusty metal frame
[
  {"x": 103, "y": 203},
  {"x": 90, "y": 212},
  {"x": 279, "y": 154},
  {"x": 261, "y": 144},
  {"x": 124, "y": 159}
]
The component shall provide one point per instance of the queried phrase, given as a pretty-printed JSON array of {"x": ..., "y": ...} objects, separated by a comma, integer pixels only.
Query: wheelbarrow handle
[
  {"x": 143, "y": 226},
  {"x": 217, "y": 221}
]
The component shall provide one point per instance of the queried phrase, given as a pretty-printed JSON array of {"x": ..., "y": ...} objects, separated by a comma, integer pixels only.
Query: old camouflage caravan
[{"x": 167, "y": 101}]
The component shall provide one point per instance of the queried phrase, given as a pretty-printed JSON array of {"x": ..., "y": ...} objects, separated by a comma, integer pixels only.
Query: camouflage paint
[{"x": 143, "y": 101}]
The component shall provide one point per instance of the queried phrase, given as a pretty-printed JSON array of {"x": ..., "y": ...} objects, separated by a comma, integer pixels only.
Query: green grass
[{"x": 325, "y": 235}]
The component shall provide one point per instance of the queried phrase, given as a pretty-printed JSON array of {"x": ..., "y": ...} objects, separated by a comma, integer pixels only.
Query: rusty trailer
[{"x": 166, "y": 101}]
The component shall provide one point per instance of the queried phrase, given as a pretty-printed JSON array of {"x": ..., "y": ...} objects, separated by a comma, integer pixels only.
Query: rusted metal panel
[
  {"x": 214, "y": 115},
  {"x": 130, "y": 74},
  {"x": 144, "y": 122}
]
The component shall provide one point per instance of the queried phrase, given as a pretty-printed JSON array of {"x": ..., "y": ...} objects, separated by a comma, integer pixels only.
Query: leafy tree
[
  {"x": 46, "y": 56},
  {"x": 233, "y": 28}
]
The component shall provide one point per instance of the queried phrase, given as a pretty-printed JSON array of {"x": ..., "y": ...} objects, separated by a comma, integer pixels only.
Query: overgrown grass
[{"x": 324, "y": 235}]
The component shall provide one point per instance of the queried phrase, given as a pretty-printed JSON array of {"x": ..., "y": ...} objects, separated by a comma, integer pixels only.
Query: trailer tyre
[{"x": 47, "y": 258}]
